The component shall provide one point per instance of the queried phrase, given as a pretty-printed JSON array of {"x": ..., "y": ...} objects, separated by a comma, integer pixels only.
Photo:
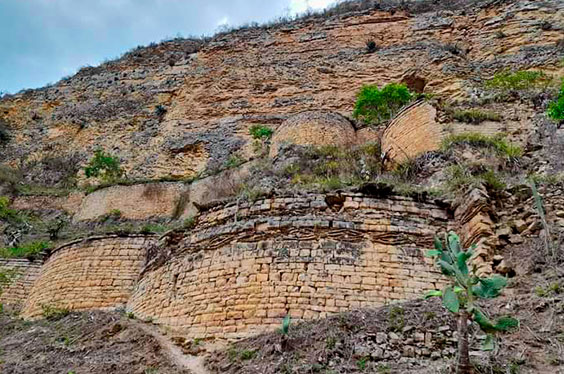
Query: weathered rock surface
[{"x": 182, "y": 106}]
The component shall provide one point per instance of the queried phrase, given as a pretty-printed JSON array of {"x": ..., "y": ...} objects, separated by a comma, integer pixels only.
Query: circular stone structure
[{"x": 315, "y": 128}]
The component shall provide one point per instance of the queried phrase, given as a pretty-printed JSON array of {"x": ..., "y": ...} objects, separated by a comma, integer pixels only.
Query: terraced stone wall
[{"x": 246, "y": 266}]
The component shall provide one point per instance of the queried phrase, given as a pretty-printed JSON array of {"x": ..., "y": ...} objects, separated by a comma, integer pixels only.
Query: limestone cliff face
[{"x": 180, "y": 107}]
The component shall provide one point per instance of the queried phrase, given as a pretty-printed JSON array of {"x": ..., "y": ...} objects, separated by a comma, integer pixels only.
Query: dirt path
[{"x": 193, "y": 363}]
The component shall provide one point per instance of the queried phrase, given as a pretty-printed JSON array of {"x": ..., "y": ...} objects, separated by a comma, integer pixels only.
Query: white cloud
[
  {"x": 223, "y": 22},
  {"x": 300, "y": 6}
]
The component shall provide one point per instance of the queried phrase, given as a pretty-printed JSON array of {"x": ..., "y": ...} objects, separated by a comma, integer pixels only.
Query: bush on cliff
[
  {"x": 104, "y": 166},
  {"x": 556, "y": 108},
  {"x": 375, "y": 105}
]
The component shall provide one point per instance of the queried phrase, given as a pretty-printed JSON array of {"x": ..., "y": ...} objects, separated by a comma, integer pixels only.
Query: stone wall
[
  {"x": 412, "y": 132},
  {"x": 247, "y": 266},
  {"x": 26, "y": 272},
  {"x": 140, "y": 201},
  {"x": 96, "y": 273}
]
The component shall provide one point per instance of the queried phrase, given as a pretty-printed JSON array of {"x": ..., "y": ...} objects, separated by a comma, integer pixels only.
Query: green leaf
[
  {"x": 434, "y": 253},
  {"x": 506, "y": 323},
  {"x": 438, "y": 244},
  {"x": 461, "y": 262},
  {"x": 458, "y": 289},
  {"x": 489, "y": 288},
  {"x": 286, "y": 325},
  {"x": 434, "y": 293},
  {"x": 450, "y": 300},
  {"x": 446, "y": 268},
  {"x": 484, "y": 322},
  {"x": 454, "y": 243},
  {"x": 488, "y": 344}
]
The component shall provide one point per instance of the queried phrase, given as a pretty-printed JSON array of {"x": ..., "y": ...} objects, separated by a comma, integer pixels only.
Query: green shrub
[
  {"x": 189, "y": 223},
  {"x": 234, "y": 161},
  {"x": 461, "y": 295},
  {"x": 4, "y": 134},
  {"x": 371, "y": 46},
  {"x": 497, "y": 143},
  {"x": 11, "y": 216},
  {"x": 6, "y": 277},
  {"x": 556, "y": 108},
  {"x": 285, "y": 329},
  {"x": 153, "y": 228},
  {"x": 52, "y": 313},
  {"x": 362, "y": 362},
  {"x": 396, "y": 318},
  {"x": 260, "y": 132},
  {"x": 518, "y": 80},
  {"x": 407, "y": 170},
  {"x": 28, "y": 250},
  {"x": 104, "y": 166},
  {"x": 248, "y": 354},
  {"x": 461, "y": 177},
  {"x": 374, "y": 105},
  {"x": 475, "y": 116}
]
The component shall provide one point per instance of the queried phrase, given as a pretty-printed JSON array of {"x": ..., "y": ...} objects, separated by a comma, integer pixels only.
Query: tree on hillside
[{"x": 462, "y": 294}]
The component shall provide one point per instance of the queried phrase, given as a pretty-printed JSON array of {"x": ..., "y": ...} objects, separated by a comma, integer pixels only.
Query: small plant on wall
[
  {"x": 556, "y": 108},
  {"x": 104, "y": 166},
  {"x": 462, "y": 294},
  {"x": 261, "y": 134}
]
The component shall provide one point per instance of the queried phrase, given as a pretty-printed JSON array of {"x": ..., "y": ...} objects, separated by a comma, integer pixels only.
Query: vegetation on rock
[
  {"x": 496, "y": 143},
  {"x": 28, "y": 250},
  {"x": 556, "y": 108},
  {"x": 104, "y": 166},
  {"x": 518, "y": 80},
  {"x": 475, "y": 116},
  {"x": 375, "y": 105}
]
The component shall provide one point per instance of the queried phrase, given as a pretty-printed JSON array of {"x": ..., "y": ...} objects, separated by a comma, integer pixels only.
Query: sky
[{"x": 41, "y": 41}]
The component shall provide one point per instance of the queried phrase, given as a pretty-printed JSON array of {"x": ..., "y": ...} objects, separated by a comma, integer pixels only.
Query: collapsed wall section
[
  {"x": 248, "y": 265},
  {"x": 93, "y": 273}
]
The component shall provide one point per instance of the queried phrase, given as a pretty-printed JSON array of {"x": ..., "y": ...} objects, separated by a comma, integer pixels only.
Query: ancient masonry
[{"x": 245, "y": 266}]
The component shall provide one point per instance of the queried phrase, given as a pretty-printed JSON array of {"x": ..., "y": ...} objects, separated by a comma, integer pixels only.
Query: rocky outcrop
[{"x": 182, "y": 106}]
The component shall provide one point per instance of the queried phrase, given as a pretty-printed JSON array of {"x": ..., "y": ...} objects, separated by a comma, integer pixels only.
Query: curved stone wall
[
  {"x": 247, "y": 266},
  {"x": 93, "y": 273},
  {"x": 140, "y": 201},
  {"x": 26, "y": 272},
  {"x": 413, "y": 131}
]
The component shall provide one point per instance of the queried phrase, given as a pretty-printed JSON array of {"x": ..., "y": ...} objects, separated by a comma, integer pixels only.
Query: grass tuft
[
  {"x": 475, "y": 116},
  {"x": 497, "y": 143}
]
